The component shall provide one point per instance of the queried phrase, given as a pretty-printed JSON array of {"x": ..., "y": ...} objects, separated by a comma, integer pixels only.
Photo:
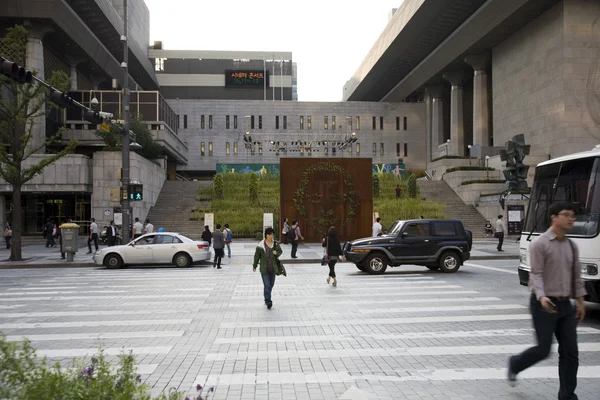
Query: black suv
[{"x": 435, "y": 244}]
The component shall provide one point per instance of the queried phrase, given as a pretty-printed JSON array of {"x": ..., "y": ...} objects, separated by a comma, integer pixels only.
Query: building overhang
[{"x": 426, "y": 37}]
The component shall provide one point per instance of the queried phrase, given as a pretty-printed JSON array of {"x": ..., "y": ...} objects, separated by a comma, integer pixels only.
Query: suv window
[
  {"x": 415, "y": 229},
  {"x": 444, "y": 228}
]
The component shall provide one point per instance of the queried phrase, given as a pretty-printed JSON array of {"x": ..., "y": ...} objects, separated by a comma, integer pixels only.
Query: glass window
[
  {"x": 374, "y": 122},
  {"x": 202, "y": 122},
  {"x": 358, "y": 149},
  {"x": 444, "y": 229},
  {"x": 405, "y": 123},
  {"x": 416, "y": 229},
  {"x": 302, "y": 122},
  {"x": 397, "y": 123},
  {"x": 178, "y": 121},
  {"x": 357, "y": 123},
  {"x": 333, "y": 148},
  {"x": 277, "y": 122},
  {"x": 405, "y": 149},
  {"x": 397, "y": 149},
  {"x": 166, "y": 239},
  {"x": 326, "y": 148},
  {"x": 210, "y": 122},
  {"x": 576, "y": 181},
  {"x": 381, "y": 149},
  {"x": 235, "y": 148},
  {"x": 285, "y": 122},
  {"x": 381, "y": 123},
  {"x": 252, "y": 122},
  {"x": 185, "y": 122},
  {"x": 146, "y": 239},
  {"x": 227, "y": 148},
  {"x": 210, "y": 149},
  {"x": 202, "y": 149},
  {"x": 374, "y": 149},
  {"x": 325, "y": 123},
  {"x": 260, "y": 122},
  {"x": 235, "y": 122},
  {"x": 259, "y": 147},
  {"x": 227, "y": 122},
  {"x": 333, "y": 123},
  {"x": 309, "y": 122}
]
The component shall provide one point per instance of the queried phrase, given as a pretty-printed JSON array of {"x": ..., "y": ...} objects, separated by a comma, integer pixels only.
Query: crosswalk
[{"x": 386, "y": 334}]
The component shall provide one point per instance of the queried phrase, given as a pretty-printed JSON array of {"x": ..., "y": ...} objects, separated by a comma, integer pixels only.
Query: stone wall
[
  {"x": 219, "y": 135},
  {"x": 106, "y": 172}
]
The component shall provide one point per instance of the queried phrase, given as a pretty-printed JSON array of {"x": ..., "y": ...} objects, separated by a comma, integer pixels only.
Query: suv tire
[
  {"x": 433, "y": 267},
  {"x": 360, "y": 267},
  {"x": 449, "y": 261},
  {"x": 376, "y": 263}
]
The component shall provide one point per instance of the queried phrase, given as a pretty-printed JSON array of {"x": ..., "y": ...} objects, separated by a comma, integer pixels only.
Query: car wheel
[
  {"x": 182, "y": 260},
  {"x": 360, "y": 267},
  {"x": 376, "y": 264},
  {"x": 433, "y": 267},
  {"x": 113, "y": 261},
  {"x": 449, "y": 261}
]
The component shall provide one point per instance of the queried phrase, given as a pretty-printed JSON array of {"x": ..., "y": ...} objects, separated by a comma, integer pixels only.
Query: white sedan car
[{"x": 155, "y": 248}]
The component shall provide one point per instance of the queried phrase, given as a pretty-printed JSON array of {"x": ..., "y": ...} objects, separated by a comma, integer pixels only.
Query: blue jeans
[
  {"x": 268, "y": 282},
  {"x": 563, "y": 325},
  {"x": 228, "y": 250}
]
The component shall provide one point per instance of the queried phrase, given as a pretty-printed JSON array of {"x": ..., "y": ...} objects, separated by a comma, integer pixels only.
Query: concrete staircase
[
  {"x": 173, "y": 208},
  {"x": 455, "y": 208}
]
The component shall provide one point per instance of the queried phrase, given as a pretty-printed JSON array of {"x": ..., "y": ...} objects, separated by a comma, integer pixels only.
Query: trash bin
[{"x": 69, "y": 234}]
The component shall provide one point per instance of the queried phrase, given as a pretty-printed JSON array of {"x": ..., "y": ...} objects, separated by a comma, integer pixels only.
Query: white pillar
[
  {"x": 481, "y": 114},
  {"x": 435, "y": 97},
  {"x": 457, "y": 129},
  {"x": 428, "y": 135}
]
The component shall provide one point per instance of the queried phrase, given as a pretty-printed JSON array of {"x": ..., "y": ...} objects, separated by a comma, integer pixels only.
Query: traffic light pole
[{"x": 125, "y": 139}]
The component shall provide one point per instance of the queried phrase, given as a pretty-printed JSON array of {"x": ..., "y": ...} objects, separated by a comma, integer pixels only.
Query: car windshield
[
  {"x": 577, "y": 183},
  {"x": 395, "y": 228}
]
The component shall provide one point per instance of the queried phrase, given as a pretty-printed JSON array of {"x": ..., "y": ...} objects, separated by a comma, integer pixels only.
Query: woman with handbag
[
  {"x": 286, "y": 228},
  {"x": 267, "y": 254},
  {"x": 333, "y": 252}
]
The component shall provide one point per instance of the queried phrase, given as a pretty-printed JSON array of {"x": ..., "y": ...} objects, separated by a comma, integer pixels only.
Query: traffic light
[
  {"x": 14, "y": 71},
  {"x": 93, "y": 117},
  {"x": 60, "y": 99},
  {"x": 136, "y": 192}
]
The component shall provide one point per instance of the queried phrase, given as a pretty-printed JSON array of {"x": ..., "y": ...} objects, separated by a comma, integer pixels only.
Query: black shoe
[
  {"x": 294, "y": 257},
  {"x": 511, "y": 376},
  {"x": 214, "y": 265},
  {"x": 89, "y": 252},
  {"x": 219, "y": 267},
  {"x": 500, "y": 250},
  {"x": 269, "y": 305}
]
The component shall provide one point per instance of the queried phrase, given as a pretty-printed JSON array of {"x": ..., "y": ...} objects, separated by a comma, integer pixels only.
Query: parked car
[
  {"x": 155, "y": 248},
  {"x": 435, "y": 244}
]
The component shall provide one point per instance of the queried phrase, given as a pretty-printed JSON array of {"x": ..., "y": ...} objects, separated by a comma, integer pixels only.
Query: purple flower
[{"x": 198, "y": 387}]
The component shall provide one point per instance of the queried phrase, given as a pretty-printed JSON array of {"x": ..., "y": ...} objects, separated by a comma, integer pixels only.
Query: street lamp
[
  {"x": 469, "y": 147},
  {"x": 487, "y": 171},
  {"x": 448, "y": 147}
]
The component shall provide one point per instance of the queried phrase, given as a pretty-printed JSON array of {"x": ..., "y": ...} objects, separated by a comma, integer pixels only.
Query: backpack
[
  {"x": 291, "y": 234},
  {"x": 229, "y": 236}
]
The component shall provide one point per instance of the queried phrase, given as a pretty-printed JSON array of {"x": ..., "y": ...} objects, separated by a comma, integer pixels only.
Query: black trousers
[
  {"x": 563, "y": 325},
  {"x": 94, "y": 238},
  {"x": 331, "y": 264},
  {"x": 294, "y": 247},
  {"x": 112, "y": 240},
  {"x": 219, "y": 253},
  {"x": 500, "y": 239}
]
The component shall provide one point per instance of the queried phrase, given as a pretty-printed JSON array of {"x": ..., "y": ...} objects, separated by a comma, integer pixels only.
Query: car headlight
[
  {"x": 523, "y": 257},
  {"x": 589, "y": 269}
]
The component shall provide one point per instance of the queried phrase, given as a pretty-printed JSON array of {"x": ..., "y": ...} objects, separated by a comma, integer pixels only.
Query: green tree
[
  {"x": 218, "y": 186},
  {"x": 376, "y": 185},
  {"x": 253, "y": 187},
  {"x": 21, "y": 104},
  {"x": 150, "y": 148},
  {"x": 412, "y": 186}
]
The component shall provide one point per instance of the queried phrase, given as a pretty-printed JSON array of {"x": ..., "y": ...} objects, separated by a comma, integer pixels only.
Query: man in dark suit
[{"x": 111, "y": 234}]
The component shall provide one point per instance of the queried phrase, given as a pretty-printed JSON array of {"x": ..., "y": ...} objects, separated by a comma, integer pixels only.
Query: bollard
[{"x": 70, "y": 237}]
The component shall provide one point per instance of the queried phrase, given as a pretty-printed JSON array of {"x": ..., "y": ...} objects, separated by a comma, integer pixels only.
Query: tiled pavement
[{"x": 408, "y": 334}]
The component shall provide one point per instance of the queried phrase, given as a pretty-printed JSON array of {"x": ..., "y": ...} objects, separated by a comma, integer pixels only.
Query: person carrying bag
[{"x": 333, "y": 252}]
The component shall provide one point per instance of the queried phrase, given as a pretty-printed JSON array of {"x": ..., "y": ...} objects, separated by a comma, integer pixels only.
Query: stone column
[
  {"x": 428, "y": 135},
  {"x": 481, "y": 114},
  {"x": 74, "y": 62},
  {"x": 435, "y": 97},
  {"x": 457, "y": 129},
  {"x": 34, "y": 61}
]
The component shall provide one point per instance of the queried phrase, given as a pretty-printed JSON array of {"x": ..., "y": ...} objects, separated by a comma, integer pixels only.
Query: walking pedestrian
[
  {"x": 48, "y": 232},
  {"x": 111, "y": 234},
  {"x": 138, "y": 228},
  {"x": 93, "y": 236},
  {"x": 294, "y": 234},
  {"x": 218, "y": 245},
  {"x": 500, "y": 232},
  {"x": 267, "y": 254},
  {"x": 555, "y": 277},
  {"x": 149, "y": 228},
  {"x": 284, "y": 231},
  {"x": 228, "y": 239},
  {"x": 8, "y": 235},
  {"x": 377, "y": 228},
  {"x": 207, "y": 235},
  {"x": 333, "y": 249}
]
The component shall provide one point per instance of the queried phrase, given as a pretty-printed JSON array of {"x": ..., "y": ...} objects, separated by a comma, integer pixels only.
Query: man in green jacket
[{"x": 267, "y": 252}]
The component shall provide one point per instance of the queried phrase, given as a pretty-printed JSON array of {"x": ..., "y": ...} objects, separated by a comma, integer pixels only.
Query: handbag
[
  {"x": 280, "y": 267},
  {"x": 325, "y": 258}
]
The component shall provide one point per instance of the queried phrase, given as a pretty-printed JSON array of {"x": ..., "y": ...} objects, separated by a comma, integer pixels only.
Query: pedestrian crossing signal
[{"x": 136, "y": 192}]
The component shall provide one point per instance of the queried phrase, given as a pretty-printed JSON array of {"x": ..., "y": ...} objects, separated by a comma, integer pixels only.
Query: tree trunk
[{"x": 17, "y": 217}]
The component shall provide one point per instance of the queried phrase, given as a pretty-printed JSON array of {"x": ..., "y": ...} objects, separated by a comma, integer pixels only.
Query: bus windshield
[{"x": 578, "y": 183}]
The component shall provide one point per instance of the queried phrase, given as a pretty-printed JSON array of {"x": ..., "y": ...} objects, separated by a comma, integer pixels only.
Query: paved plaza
[{"x": 408, "y": 334}]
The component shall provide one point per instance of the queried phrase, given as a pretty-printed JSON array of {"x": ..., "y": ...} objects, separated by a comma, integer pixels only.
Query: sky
[{"x": 328, "y": 38}]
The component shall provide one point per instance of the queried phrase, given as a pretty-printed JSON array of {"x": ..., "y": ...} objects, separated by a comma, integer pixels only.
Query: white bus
[{"x": 574, "y": 178}]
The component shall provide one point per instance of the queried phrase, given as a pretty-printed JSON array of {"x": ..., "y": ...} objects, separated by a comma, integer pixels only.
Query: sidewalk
[{"x": 38, "y": 256}]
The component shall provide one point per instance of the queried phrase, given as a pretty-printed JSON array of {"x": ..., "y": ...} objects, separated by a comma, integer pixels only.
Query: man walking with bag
[
  {"x": 267, "y": 255},
  {"x": 554, "y": 279}
]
